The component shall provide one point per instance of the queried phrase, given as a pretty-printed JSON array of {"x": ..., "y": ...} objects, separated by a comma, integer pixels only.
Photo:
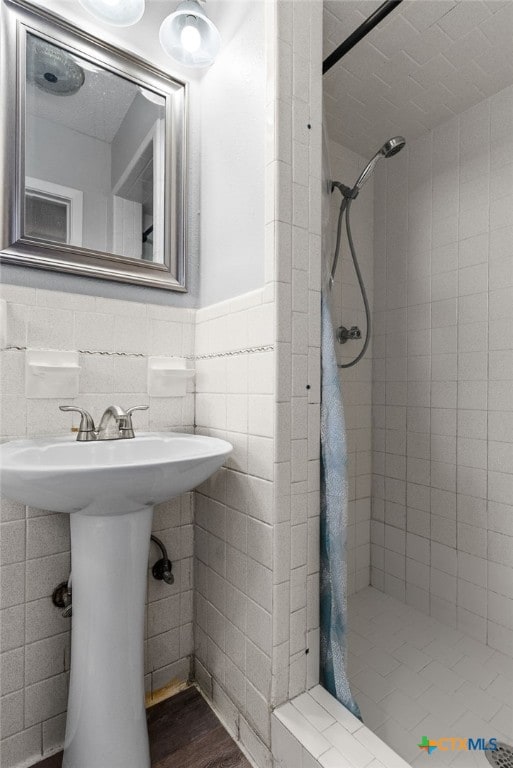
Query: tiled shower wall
[
  {"x": 442, "y": 528},
  {"x": 347, "y": 309},
  {"x": 115, "y": 338}
]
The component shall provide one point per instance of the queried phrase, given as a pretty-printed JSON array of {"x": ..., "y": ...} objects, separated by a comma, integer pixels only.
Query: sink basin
[
  {"x": 107, "y": 477},
  {"x": 109, "y": 487}
]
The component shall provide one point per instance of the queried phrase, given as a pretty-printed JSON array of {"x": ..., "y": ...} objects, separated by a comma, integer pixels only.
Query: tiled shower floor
[{"x": 414, "y": 677}]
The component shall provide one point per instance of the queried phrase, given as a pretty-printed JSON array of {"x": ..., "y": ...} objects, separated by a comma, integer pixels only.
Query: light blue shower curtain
[{"x": 333, "y": 606}]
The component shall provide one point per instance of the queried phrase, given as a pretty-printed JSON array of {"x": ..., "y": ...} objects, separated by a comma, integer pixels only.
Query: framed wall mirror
[{"x": 93, "y": 155}]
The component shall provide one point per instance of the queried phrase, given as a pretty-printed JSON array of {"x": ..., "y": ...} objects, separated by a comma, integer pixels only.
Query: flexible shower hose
[{"x": 346, "y": 207}]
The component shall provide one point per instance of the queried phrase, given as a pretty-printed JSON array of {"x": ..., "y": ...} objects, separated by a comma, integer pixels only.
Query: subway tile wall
[
  {"x": 442, "y": 516},
  {"x": 348, "y": 310},
  {"x": 234, "y": 509},
  {"x": 296, "y": 227},
  {"x": 115, "y": 338},
  {"x": 257, "y": 547}
]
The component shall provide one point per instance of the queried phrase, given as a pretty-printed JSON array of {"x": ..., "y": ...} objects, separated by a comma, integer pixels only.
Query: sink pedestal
[
  {"x": 106, "y": 721},
  {"x": 108, "y": 487}
]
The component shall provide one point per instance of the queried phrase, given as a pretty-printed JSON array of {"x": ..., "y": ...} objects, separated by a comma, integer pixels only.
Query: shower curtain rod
[{"x": 359, "y": 33}]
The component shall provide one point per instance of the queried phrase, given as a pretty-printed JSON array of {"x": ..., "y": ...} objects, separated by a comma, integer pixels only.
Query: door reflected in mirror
[{"x": 94, "y": 156}]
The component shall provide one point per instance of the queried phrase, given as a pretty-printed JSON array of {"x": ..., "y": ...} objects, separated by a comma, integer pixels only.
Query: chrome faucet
[{"x": 115, "y": 424}]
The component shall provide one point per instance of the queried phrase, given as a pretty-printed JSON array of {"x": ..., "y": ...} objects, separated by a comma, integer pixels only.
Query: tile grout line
[{"x": 206, "y": 356}]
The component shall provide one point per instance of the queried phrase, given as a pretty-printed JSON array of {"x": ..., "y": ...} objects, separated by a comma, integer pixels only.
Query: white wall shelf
[
  {"x": 168, "y": 376},
  {"x": 51, "y": 374}
]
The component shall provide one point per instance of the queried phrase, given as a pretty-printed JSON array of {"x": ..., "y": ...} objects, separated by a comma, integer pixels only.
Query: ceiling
[
  {"x": 426, "y": 62},
  {"x": 97, "y": 109}
]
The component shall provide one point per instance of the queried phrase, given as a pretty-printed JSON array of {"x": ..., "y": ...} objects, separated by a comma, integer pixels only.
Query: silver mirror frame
[{"x": 18, "y": 18}]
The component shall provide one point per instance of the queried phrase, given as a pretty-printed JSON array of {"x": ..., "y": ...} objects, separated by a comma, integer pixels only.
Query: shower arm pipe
[{"x": 359, "y": 33}]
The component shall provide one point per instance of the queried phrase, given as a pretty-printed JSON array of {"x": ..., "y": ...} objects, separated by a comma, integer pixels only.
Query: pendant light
[
  {"x": 189, "y": 37},
  {"x": 119, "y": 13}
]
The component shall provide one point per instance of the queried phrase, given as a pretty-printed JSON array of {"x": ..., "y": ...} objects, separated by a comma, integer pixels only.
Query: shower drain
[{"x": 502, "y": 757}]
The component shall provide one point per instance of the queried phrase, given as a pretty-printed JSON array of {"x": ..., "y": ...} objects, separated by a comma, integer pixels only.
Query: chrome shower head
[
  {"x": 392, "y": 146},
  {"x": 389, "y": 148}
]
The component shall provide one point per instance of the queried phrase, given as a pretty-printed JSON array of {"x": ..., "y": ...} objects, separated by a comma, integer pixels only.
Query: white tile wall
[
  {"x": 443, "y": 457},
  {"x": 35, "y": 545},
  {"x": 348, "y": 310},
  {"x": 234, "y": 508},
  {"x": 257, "y": 638},
  {"x": 296, "y": 232}
]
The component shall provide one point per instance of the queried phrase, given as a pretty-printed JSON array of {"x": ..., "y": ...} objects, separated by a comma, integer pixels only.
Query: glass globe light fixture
[
  {"x": 119, "y": 13},
  {"x": 189, "y": 37}
]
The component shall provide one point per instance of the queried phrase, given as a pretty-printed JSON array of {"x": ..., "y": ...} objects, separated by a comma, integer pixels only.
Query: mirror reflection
[{"x": 94, "y": 156}]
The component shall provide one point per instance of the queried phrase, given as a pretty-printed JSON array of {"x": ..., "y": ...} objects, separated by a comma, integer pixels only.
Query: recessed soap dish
[
  {"x": 168, "y": 376},
  {"x": 51, "y": 373}
]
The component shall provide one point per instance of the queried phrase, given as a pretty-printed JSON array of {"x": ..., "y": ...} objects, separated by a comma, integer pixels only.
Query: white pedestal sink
[{"x": 110, "y": 488}]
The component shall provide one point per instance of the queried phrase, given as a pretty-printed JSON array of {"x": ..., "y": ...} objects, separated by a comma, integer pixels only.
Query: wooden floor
[{"x": 184, "y": 733}]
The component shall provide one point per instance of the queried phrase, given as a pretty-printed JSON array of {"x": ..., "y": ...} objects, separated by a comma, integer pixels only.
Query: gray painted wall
[
  {"x": 226, "y": 135},
  {"x": 138, "y": 121},
  {"x": 51, "y": 154},
  {"x": 233, "y": 157}
]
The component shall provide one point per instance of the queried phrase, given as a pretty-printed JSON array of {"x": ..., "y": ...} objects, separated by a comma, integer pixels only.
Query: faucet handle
[
  {"x": 129, "y": 411},
  {"x": 128, "y": 429},
  {"x": 86, "y": 431}
]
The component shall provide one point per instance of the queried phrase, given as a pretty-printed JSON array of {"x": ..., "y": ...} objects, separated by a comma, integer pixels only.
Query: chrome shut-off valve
[
  {"x": 162, "y": 569},
  {"x": 344, "y": 334}
]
